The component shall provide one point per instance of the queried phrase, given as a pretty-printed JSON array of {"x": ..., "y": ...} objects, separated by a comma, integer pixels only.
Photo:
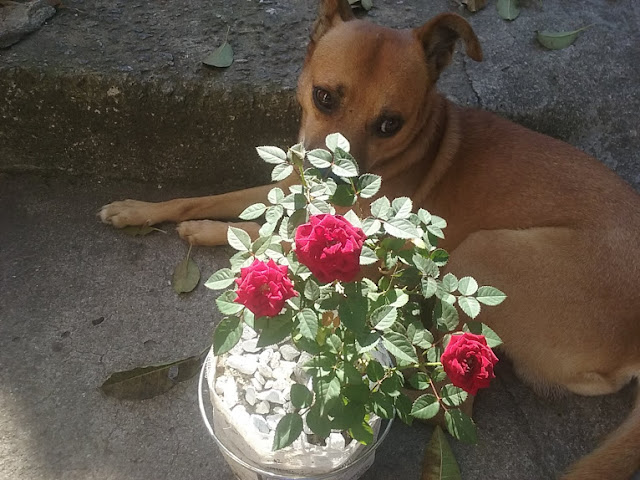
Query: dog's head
[{"x": 374, "y": 84}]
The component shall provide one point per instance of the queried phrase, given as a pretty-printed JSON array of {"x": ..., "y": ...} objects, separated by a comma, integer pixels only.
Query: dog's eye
[
  {"x": 388, "y": 126},
  {"x": 323, "y": 99}
]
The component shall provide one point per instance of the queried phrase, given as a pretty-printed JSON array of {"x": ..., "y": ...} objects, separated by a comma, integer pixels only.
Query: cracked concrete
[{"x": 79, "y": 300}]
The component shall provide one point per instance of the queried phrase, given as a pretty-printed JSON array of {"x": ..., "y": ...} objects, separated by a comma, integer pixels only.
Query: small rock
[
  {"x": 284, "y": 385},
  {"x": 221, "y": 381},
  {"x": 260, "y": 423},
  {"x": 246, "y": 364},
  {"x": 265, "y": 356},
  {"x": 289, "y": 352},
  {"x": 250, "y": 395},
  {"x": 20, "y": 19},
  {"x": 263, "y": 407},
  {"x": 272, "y": 396},
  {"x": 272, "y": 420},
  {"x": 279, "y": 411},
  {"x": 251, "y": 345},
  {"x": 265, "y": 370},
  {"x": 248, "y": 333},
  {"x": 336, "y": 441},
  {"x": 256, "y": 384},
  {"x": 240, "y": 414},
  {"x": 230, "y": 393},
  {"x": 259, "y": 378},
  {"x": 268, "y": 385},
  {"x": 275, "y": 360},
  {"x": 284, "y": 370}
]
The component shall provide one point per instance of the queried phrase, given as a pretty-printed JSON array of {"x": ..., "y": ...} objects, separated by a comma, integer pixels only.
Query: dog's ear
[
  {"x": 330, "y": 14},
  {"x": 439, "y": 36}
]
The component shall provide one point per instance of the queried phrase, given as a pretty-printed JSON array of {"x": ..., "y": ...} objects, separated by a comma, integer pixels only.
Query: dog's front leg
[{"x": 220, "y": 207}]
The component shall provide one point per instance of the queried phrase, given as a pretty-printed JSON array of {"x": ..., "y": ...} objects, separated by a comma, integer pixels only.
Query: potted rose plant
[{"x": 328, "y": 317}]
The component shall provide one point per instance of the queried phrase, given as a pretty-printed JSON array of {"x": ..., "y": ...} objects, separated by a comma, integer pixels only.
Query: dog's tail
[{"x": 618, "y": 457}]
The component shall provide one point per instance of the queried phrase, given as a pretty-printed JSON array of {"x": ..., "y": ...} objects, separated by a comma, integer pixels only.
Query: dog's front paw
[
  {"x": 127, "y": 212},
  {"x": 203, "y": 232}
]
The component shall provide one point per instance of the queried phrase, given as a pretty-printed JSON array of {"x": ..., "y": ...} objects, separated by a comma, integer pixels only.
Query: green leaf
[
  {"x": 343, "y": 196},
  {"x": 467, "y": 286},
  {"x": 558, "y": 40},
  {"x": 420, "y": 336},
  {"x": 425, "y": 407},
  {"x": 353, "y": 219},
  {"x": 221, "y": 279},
  {"x": 381, "y": 208},
  {"x": 490, "y": 296},
  {"x": 396, "y": 298},
  {"x": 508, "y": 9},
  {"x": 453, "y": 396},
  {"x": 274, "y": 213},
  {"x": 320, "y": 158},
  {"x": 353, "y": 310},
  {"x": 435, "y": 231},
  {"x": 253, "y": 211},
  {"x": 440, "y": 257},
  {"x": 226, "y": 335},
  {"x": 308, "y": 323},
  {"x": 493, "y": 340},
  {"x": 368, "y": 256},
  {"x": 375, "y": 371},
  {"x": 401, "y": 228},
  {"x": 449, "y": 283},
  {"x": 147, "y": 382},
  {"x": 367, "y": 342},
  {"x": 276, "y": 329},
  {"x": 369, "y": 184},
  {"x": 288, "y": 430},
  {"x": 402, "y": 207},
  {"x": 296, "y": 219},
  {"x": 226, "y": 303},
  {"x": 439, "y": 462},
  {"x": 238, "y": 239},
  {"x": 344, "y": 167},
  {"x": 446, "y": 316},
  {"x": 419, "y": 381},
  {"x": 275, "y": 195},
  {"x": 403, "y": 408},
  {"x": 300, "y": 396},
  {"x": 311, "y": 290},
  {"x": 382, "y": 405},
  {"x": 316, "y": 207},
  {"x": 362, "y": 432},
  {"x": 400, "y": 347},
  {"x": 327, "y": 392},
  {"x": 461, "y": 426},
  {"x": 319, "y": 424},
  {"x": 469, "y": 305},
  {"x": 273, "y": 155},
  {"x": 383, "y": 317},
  {"x": 429, "y": 287},
  {"x": 186, "y": 276},
  {"x": 281, "y": 171},
  {"x": 336, "y": 140},
  {"x": 438, "y": 222},
  {"x": 371, "y": 226},
  {"x": 424, "y": 216},
  {"x": 221, "y": 57},
  {"x": 357, "y": 393}
]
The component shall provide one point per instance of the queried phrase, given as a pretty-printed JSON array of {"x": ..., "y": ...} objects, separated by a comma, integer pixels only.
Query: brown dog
[{"x": 547, "y": 223}]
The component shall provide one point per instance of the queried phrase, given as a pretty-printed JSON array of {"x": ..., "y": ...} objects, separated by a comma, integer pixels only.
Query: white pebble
[
  {"x": 248, "y": 332},
  {"x": 256, "y": 384},
  {"x": 251, "y": 346},
  {"x": 221, "y": 381},
  {"x": 275, "y": 360},
  {"x": 273, "y": 396},
  {"x": 250, "y": 395},
  {"x": 279, "y": 410},
  {"x": 265, "y": 355},
  {"x": 258, "y": 376},
  {"x": 246, "y": 364},
  {"x": 263, "y": 407},
  {"x": 336, "y": 441},
  {"x": 272, "y": 420},
  {"x": 230, "y": 393},
  {"x": 265, "y": 370},
  {"x": 284, "y": 385},
  {"x": 284, "y": 370},
  {"x": 260, "y": 423},
  {"x": 268, "y": 385},
  {"x": 240, "y": 414},
  {"x": 289, "y": 352}
]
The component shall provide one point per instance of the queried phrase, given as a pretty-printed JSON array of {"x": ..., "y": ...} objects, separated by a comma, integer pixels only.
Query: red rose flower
[
  {"x": 264, "y": 288},
  {"x": 330, "y": 247},
  {"x": 468, "y": 362}
]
